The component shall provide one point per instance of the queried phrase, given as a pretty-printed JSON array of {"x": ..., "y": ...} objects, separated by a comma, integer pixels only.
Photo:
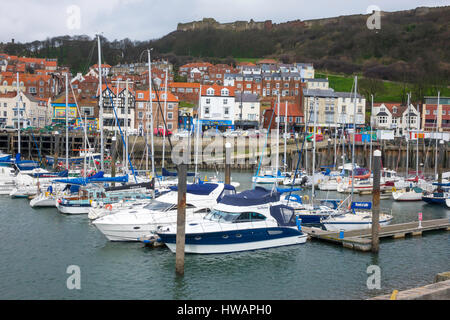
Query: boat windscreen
[{"x": 159, "y": 206}]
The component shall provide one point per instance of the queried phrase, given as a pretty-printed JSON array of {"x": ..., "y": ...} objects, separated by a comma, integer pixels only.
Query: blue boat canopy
[
  {"x": 285, "y": 190},
  {"x": 199, "y": 189},
  {"x": 284, "y": 215},
  {"x": 253, "y": 197}
]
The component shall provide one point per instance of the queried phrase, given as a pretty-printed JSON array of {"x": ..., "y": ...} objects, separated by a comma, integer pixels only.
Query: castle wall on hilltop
[{"x": 268, "y": 25}]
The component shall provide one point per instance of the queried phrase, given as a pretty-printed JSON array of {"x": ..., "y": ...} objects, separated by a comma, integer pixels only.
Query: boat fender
[
  {"x": 305, "y": 198},
  {"x": 393, "y": 189},
  {"x": 298, "y": 221}
]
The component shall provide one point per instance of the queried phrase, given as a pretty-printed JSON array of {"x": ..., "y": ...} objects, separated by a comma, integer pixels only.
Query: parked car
[{"x": 8, "y": 129}]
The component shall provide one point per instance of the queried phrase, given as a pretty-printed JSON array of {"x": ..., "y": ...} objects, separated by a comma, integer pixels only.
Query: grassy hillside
[{"x": 391, "y": 92}]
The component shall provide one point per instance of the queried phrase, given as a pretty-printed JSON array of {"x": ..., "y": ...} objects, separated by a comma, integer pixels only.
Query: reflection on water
[{"x": 39, "y": 244}]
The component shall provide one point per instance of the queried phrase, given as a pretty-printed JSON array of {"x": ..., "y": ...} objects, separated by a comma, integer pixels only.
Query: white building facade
[{"x": 217, "y": 107}]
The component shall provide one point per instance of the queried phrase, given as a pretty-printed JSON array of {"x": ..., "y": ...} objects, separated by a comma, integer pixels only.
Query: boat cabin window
[
  {"x": 234, "y": 217},
  {"x": 250, "y": 216}
]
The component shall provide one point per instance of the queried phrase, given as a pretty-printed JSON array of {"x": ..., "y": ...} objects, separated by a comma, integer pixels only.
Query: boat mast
[
  {"x": 435, "y": 137},
  {"x": 353, "y": 142},
  {"x": 417, "y": 151},
  {"x": 314, "y": 150},
  {"x": 370, "y": 156},
  {"x": 164, "y": 116},
  {"x": 285, "y": 135},
  {"x": 100, "y": 115},
  {"x": 407, "y": 140},
  {"x": 278, "y": 143},
  {"x": 335, "y": 150},
  {"x": 85, "y": 147},
  {"x": 19, "y": 102},
  {"x": 126, "y": 126},
  {"x": 197, "y": 131},
  {"x": 67, "y": 121},
  {"x": 151, "y": 115}
]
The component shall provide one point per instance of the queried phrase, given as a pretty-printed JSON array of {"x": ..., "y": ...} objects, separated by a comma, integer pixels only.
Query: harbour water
[{"x": 38, "y": 245}]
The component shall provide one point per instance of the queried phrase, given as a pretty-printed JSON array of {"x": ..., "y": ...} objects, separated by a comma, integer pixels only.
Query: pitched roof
[
  {"x": 183, "y": 85},
  {"x": 217, "y": 90}
]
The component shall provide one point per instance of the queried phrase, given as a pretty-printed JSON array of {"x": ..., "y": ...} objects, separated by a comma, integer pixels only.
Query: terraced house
[
  {"x": 436, "y": 115},
  {"x": 33, "y": 112},
  {"x": 397, "y": 117},
  {"x": 217, "y": 107}
]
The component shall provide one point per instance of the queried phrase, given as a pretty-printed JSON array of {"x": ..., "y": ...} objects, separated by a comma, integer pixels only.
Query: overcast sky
[{"x": 26, "y": 20}]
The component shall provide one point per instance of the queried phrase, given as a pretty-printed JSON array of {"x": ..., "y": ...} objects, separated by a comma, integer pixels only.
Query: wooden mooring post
[{"x": 181, "y": 219}]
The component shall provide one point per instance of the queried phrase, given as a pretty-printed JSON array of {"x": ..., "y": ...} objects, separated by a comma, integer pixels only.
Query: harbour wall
[{"x": 246, "y": 151}]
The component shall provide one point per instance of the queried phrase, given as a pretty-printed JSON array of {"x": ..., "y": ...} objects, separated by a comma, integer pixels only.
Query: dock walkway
[{"x": 362, "y": 239}]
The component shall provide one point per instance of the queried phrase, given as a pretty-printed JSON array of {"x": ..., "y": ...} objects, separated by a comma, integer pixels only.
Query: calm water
[{"x": 37, "y": 246}]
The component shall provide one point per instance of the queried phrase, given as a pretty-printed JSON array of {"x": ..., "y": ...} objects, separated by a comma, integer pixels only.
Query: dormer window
[
  {"x": 210, "y": 92},
  {"x": 394, "y": 109},
  {"x": 224, "y": 92}
]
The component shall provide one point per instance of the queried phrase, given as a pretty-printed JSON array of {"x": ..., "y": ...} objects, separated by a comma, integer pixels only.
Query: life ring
[{"x": 108, "y": 207}]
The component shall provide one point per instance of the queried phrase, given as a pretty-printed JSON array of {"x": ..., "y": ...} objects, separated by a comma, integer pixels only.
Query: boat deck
[{"x": 362, "y": 239}]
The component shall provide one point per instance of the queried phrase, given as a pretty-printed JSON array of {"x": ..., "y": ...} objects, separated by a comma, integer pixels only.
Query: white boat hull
[
  {"x": 349, "y": 226},
  {"x": 72, "y": 209},
  {"x": 43, "y": 202},
  {"x": 407, "y": 196},
  {"x": 247, "y": 246}
]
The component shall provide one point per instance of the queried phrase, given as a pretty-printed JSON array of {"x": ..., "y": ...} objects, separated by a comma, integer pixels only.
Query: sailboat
[
  {"x": 270, "y": 175},
  {"x": 359, "y": 216}
]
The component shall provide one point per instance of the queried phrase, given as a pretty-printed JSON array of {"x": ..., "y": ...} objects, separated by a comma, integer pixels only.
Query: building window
[
  {"x": 169, "y": 126},
  {"x": 208, "y": 101},
  {"x": 169, "y": 115},
  {"x": 225, "y": 101},
  {"x": 226, "y": 112},
  {"x": 206, "y": 110}
]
